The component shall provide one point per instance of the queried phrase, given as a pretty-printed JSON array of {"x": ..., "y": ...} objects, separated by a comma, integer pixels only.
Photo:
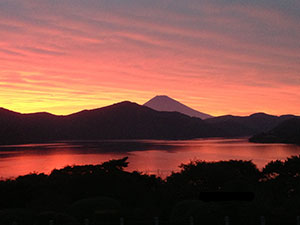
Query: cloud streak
[{"x": 211, "y": 54}]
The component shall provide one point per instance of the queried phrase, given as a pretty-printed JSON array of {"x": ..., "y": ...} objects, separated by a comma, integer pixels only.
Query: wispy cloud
[{"x": 219, "y": 51}]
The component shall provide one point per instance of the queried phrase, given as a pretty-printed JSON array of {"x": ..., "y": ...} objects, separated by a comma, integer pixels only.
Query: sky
[{"x": 216, "y": 56}]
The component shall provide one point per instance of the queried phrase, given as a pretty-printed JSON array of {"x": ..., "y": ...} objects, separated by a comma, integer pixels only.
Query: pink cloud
[{"x": 219, "y": 54}]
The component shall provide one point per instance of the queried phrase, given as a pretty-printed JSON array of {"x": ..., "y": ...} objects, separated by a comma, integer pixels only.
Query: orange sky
[{"x": 218, "y": 57}]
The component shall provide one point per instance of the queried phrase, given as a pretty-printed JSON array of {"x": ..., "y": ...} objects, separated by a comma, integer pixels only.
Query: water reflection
[{"x": 152, "y": 156}]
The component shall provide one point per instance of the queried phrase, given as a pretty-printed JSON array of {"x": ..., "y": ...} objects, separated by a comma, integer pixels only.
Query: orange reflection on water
[
  {"x": 159, "y": 162},
  {"x": 26, "y": 164},
  {"x": 153, "y": 157}
]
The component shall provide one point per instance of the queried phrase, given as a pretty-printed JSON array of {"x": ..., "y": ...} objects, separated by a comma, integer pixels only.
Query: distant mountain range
[
  {"x": 286, "y": 132},
  {"x": 127, "y": 120},
  {"x": 247, "y": 125},
  {"x": 167, "y": 104}
]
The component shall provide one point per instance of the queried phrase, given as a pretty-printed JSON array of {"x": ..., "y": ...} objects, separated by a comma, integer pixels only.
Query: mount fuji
[{"x": 165, "y": 103}]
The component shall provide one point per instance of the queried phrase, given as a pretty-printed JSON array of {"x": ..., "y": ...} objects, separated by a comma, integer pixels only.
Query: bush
[{"x": 95, "y": 209}]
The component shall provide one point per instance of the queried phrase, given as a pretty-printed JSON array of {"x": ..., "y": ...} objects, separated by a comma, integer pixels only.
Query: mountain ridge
[
  {"x": 287, "y": 131},
  {"x": 248, "y": 125},
  {"x": 127, "y": 120}
]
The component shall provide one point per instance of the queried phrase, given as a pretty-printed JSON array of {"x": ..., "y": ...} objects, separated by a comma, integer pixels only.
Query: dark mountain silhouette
[
  {"x": 128, "y": 120},
  {"x": 247, "y": 125},
  {"x": 167, "y": 104},
  {"x": 18, "y": 128},
  {"x": 125, "y": 120},
  {"x": 286, "y": 132}
]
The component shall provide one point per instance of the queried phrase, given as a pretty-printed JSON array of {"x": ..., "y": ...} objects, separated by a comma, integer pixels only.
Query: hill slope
[
  {"x": 286, "y": 132},
  {"x": 126, "y": 120},
  {"x": 123, "y": 120},
  {"x": 247, "y": 125},
  {"x": 167, "y": 104}
]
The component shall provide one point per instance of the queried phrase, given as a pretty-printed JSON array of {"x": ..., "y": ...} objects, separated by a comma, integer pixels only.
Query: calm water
[{"x": 155, "y": 157}]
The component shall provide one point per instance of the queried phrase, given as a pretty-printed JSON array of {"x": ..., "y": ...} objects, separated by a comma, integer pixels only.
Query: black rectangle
[{"x": 226, "y": 196}]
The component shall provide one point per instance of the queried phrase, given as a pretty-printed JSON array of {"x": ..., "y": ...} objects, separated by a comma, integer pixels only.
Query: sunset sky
[{"x": 216, "y": 56}]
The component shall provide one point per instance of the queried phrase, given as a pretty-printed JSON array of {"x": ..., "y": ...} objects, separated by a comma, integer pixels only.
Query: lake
[{"x": 149, "y": 156}]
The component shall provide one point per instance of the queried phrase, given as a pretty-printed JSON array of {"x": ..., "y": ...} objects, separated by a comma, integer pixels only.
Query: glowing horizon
[{"x": 218, "y": 57}]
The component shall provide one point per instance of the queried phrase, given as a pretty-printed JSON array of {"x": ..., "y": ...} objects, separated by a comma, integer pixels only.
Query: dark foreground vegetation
[{"x": 101, "y": 194}]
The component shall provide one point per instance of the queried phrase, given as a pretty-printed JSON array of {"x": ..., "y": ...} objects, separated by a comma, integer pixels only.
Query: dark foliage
[{"x": 104, "y": 193}]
